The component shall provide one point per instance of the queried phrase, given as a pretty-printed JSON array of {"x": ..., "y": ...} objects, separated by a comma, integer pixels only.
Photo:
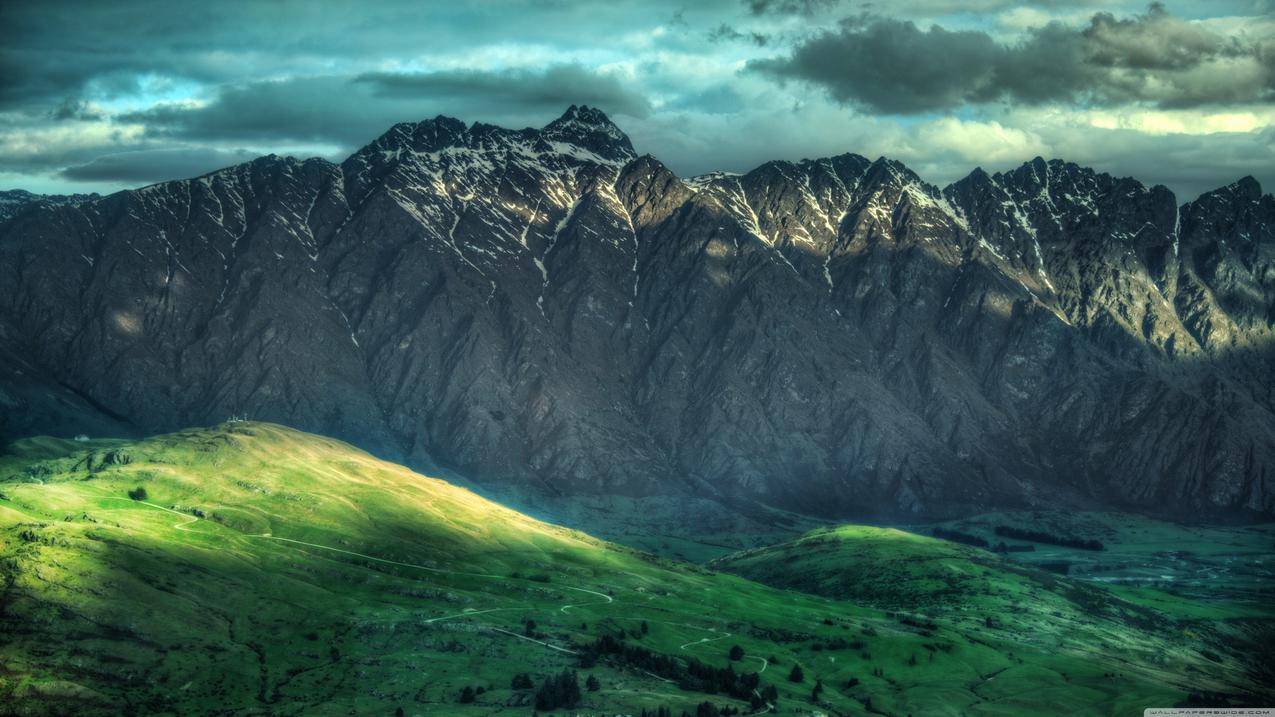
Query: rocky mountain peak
[
  {"x": 890, "y": 171},
  {"x": 1247, "y": 187},
  {"x": 1245, "y": 190},
  {"x": 590, "y": 128},
  {"x": 428, "y": 135},
  {"x": 1236, "y": 196},
  {"x": 1235, "y": 223},
  {"x": 581, "y": 135}
]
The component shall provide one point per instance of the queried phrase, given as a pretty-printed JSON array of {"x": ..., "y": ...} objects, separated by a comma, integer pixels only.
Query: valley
[{"x": 265, "y": 570}]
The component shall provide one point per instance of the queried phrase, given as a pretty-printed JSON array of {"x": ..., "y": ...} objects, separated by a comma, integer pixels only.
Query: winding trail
[
  {"x": 469, "y": 613},
  {"x": 441, "y": 571},
  {"x": 703, "y": 640},
  {"x": 175, "y": 526},
  {"x": 529, "y": 639},
  {"x": 606, "y": 599}
]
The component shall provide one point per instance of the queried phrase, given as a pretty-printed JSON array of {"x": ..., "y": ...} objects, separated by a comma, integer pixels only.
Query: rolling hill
[{"x": 249, "y": 568}]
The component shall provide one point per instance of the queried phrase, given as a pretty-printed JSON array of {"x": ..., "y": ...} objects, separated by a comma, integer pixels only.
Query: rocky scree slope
[{"x": 544, "y": 308}]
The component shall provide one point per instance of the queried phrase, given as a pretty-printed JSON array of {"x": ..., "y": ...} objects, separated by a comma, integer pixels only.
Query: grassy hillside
[
  {"x": 267, "y": 571},
  {"x": 1200, "y": 644}
]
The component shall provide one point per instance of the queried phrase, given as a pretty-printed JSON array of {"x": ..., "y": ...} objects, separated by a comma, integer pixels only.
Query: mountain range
[{"x": 544, "y": 310}]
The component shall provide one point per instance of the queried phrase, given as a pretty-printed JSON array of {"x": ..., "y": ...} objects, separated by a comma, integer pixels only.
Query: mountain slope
[
  {"x": 270, "y": 571},
  {"x": 542, "y": 310}
]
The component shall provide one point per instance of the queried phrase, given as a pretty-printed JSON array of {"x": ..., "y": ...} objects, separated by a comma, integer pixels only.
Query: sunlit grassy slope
[{"x": 268, "y": 571}]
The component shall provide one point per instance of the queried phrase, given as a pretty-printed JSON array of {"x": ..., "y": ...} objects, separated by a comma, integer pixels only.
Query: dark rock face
[
  {"x": 543, "y": 308},
  {"x": 14, "y": 201}
]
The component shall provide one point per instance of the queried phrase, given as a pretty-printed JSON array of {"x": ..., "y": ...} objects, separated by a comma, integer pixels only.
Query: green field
[
  {"x": 1223, "y": 571},
  {"x": 267, "y": 571}
]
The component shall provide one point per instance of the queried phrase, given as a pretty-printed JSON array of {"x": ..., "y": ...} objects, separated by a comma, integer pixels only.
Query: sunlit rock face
[{"x": 543, "y": 308}]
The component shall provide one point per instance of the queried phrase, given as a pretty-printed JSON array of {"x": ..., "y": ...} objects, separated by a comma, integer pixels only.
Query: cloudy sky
[{"x": 101, "y": 96}]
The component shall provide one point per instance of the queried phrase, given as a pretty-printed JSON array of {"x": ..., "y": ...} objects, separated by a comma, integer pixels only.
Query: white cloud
[
  {"x": 1196, "y": 122},
  {"x": 22, "y": 143},
  {"x": 1020, "y": 19},
  {"x": 975, "y": 141}
]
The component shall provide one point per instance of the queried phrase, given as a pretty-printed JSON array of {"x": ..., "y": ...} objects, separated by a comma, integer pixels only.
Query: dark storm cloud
[
  {"x": 55, "y": 49},
  {"x": 924, "y": 8},
  {"x": 75, "y": 110},
  {"x": 724, "y": 32},
  {"x": 301, "y": 109},
  {"x": 789, "y": 7},
  {"x": 154, "y": 165},
  {"x": 1155, "y": 41},
  {"x": 349, "y": 111},
  {"x": 553, "y": 88},
  {"x": 894, "y": 66}
]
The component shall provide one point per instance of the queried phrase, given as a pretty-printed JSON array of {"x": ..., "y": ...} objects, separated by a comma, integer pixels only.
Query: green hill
[
  {"x": 252, "y": 569},
  {"x": 982, "y": 596}
]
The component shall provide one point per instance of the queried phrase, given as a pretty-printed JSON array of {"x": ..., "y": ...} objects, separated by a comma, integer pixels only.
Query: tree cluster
[
  {"x": 689, "y": 673},
  {"x": 1003, "y": 547},
  {"x": 957, "y": 536},
  {"x": 837, "y": 643},
  {"x": 561, "y": 690},
  {"x": 1038, "y": 536},
  {"x": 708, "y": 709}
]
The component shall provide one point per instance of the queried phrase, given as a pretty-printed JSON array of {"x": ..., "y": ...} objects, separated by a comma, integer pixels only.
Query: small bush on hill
[{"x": 521, "y": 681}]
